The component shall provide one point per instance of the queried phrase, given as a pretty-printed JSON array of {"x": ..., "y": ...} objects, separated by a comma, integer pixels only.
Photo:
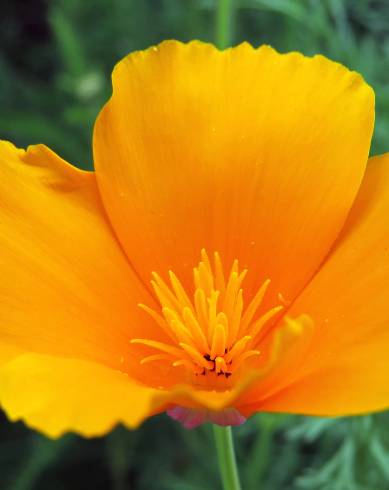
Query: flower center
[{"x": 212, "y": 334}]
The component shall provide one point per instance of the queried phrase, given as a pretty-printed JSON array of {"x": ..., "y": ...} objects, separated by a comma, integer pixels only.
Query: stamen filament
[
  {"x": 159, "y": 319},
  {"x": 235, "y": 318},
  {"x": 219, "y": 275},
  {"x": 179, "y": 329},
  {"x": 196, "y": 356},
  {"x": 179, "y": 291},
  {"x": 201, "y": 308},
  {"x": 233, "y": 287},
  {"x": 257, "y": 326},
  {"x": 205, "y": 260},
  {"x": 196, "y": 330},
  {"x": 169, "y": 349},
  {"x": 238, "y": 348},
  {"x": 188, "y": 364},
  {"x": 212, "y": 312},
  {"x": 155, "y": 357},
  {"x": 218, "y": 347},
  {"x": 253, "y": 306},
  {"x": 165, "y": 296},
  {"x": 205, "y": 278}
]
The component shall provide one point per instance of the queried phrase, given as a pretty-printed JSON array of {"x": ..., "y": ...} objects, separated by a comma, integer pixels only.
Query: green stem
[
  {"x": 226, "y": 457},
  {"x": 224, "y": 16}
]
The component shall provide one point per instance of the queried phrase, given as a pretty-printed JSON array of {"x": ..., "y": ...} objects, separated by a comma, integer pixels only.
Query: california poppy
[{"x": 239, "y": 183}]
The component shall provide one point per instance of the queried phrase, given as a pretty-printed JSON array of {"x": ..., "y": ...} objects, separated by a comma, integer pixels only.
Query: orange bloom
[{"x": 237, "y": 182}]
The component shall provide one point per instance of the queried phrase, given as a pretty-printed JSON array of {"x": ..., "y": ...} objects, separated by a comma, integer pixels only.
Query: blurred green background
[{"x": 55, "y": 63}]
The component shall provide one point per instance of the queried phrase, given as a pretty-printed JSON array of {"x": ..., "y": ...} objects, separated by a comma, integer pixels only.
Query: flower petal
[
  {"x": 57, "y": 395},
  {"x": 249, "y": 152},
  {"x": 66, "y": 288},
  {"x": 8, "y": 352},
  {"x": 346, "y": 369}
]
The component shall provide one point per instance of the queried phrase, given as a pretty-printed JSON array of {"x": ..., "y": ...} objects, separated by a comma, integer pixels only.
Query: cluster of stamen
[{"x": 211, "y": 334}]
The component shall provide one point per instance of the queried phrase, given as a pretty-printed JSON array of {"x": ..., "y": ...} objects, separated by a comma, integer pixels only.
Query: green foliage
[{"x": 55, "y": 63}]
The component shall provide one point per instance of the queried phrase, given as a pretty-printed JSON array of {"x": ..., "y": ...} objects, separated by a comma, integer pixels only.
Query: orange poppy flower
[{"x": 234, "y": 180}]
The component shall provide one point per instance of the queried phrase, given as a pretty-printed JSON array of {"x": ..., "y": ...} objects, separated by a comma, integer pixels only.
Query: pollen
[{"x": 212, "y": 334}]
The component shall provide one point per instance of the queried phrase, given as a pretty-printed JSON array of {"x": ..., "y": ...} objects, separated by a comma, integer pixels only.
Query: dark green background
[{"x": 55, "y": 63}]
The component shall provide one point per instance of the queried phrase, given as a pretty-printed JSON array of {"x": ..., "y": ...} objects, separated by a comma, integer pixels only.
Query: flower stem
[
  {"x": 224, "y": 16},
  {"x": 226, "y": 457}
]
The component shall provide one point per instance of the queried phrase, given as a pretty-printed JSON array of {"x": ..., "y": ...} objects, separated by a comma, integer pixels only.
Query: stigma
[{"x": 212, "y": 334}]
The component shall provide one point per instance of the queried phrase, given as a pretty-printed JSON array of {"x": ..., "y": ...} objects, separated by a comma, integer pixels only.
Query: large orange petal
[
  {"x": 8, "y": 352},
  {"x": 66, "y": 287},
  {"x": 252, "y": 153},
  {"x": 346, "y": 369},
  {"x": 57, "y": 395}
]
